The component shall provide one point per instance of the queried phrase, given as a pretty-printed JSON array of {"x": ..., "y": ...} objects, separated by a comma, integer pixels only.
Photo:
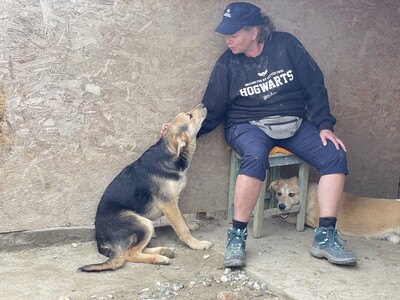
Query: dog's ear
[
  {"x": 179, "y": 143},
  {"x": 294, "y": 179},
  {"x": 274, "y": 184}
]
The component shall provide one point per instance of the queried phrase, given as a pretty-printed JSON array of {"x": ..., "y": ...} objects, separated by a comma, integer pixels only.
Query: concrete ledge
[
  {"x": 28, "y": 239},
  {"x": 21, "y": 240}
]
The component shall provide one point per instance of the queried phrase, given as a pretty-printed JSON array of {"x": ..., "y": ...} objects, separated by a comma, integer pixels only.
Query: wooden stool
[{"x": 278, "y": 157}]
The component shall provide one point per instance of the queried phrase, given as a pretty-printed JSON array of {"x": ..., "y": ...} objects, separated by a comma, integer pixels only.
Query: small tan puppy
[{"x": 370, "y": 218}]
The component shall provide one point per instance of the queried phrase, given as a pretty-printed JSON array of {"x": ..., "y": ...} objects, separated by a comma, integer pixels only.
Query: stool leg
[
  {"x": 235, "y": 165},
  {"x": 303, "y": 183},
  {"x": 258, "y": 213}
]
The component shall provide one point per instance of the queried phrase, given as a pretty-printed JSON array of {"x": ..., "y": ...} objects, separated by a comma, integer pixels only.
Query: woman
[{"x": 270, "y": 92}]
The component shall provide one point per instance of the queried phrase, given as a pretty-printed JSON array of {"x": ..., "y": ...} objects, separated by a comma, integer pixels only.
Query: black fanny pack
[{"x": 279, "y": 127}]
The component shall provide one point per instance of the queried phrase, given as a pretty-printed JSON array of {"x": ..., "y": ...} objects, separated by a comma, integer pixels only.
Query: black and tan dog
[
  {"x": 143, "y": 191},
  {"x": 370, "y": 218}
]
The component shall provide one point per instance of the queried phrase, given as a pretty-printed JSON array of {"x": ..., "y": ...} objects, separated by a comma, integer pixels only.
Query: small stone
[
  {"x": 224, "y": 279},
  {"x": 75, "y": 245},
  {"x": 264, "y": 287},
  {"x": 227, "y": 271}
]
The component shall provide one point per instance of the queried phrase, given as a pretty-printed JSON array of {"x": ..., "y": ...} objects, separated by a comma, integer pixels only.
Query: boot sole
[
  {"x": 319, "y": 253},
  {"x": 234, "y": 263}
]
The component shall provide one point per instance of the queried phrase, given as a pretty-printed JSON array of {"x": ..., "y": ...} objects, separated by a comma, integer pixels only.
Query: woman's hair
[{"x": 265, "y": 30}]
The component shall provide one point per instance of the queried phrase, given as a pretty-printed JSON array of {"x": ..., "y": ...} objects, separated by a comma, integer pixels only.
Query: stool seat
[{"x": 277, "y": 159}]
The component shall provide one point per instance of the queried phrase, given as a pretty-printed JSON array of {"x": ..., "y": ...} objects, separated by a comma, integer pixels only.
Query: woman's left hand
[{"x": 327, "y": 134}]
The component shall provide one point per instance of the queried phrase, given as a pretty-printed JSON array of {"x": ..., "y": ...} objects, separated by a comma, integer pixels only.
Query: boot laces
[
  {"x": 333, "y": 237},
  {"x": 237, "y": 238}
]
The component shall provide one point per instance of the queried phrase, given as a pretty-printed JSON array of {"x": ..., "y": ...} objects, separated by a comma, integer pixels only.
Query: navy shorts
[{"x": 254, "y": 146}]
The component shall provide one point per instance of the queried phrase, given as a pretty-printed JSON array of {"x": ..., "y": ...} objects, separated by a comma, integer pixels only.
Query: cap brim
[{"x": 228, "y": 29}]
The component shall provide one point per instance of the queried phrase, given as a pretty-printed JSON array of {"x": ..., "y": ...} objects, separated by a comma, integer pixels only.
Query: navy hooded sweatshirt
[{"x": 283, "y": 80}]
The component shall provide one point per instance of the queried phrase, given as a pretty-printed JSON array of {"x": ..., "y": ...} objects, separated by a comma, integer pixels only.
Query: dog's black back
[
  {"x": 145, "y": 190},
  {"x": 133, "y": 190}
]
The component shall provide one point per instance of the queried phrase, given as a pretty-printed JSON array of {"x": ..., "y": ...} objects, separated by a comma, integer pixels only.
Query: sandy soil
[{"x": 51, "y": 273}]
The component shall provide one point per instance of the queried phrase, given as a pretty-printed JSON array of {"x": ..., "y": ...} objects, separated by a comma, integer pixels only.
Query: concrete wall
[{"x": 87, "y": 85}]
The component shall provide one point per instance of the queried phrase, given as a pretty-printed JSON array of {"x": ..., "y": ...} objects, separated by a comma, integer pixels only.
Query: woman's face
[{"x": 243, "y": 41}]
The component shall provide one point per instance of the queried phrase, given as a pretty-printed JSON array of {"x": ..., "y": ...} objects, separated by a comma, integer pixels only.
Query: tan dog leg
[
  {"x": 140, "y": 254},
  {"x": 164, "y": 251},
  {"x": 174, "y": 216}
]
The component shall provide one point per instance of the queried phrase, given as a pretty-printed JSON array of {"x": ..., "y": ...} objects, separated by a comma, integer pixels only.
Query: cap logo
[{"x": 228, "y": 13}]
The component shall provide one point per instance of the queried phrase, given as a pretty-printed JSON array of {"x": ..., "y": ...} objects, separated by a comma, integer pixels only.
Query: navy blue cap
[{"x": 237, "y": 15}]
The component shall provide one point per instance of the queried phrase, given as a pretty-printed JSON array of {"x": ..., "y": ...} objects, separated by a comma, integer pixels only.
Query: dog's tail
[{"x": 113, "y": 263}]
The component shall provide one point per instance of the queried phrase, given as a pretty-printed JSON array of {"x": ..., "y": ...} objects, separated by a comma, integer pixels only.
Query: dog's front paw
[
  {"x": 193, "y": 226},
  {"x": 168, "y": 252},
  {"x": 201, "y": 245},
  {"x": 207, "y": 244}
]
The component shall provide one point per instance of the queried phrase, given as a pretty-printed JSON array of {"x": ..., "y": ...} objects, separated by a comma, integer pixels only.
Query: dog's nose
[{"x": 281, "y": 206}]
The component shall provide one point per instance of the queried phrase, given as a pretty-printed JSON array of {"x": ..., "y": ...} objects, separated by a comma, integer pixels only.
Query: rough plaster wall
[
  {"x": 357, "y": 45},
  {"x": 88, "y": 84},
  {"x": 2, "y": 108}
]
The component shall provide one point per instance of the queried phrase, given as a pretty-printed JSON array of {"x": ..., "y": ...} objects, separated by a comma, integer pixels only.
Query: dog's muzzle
[
  {"x": 282, "y": 207},
  {"x": 284, "y": 216}
]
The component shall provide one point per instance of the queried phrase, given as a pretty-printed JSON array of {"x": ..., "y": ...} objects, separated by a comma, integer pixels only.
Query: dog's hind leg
[
  {"x": 115, "y": 262},
  {"x": 192, "y": 225},
  {"x": 164, "y": 251},
  {"x": 140, "y": 254},
  {"x": 174, "y": 216}
]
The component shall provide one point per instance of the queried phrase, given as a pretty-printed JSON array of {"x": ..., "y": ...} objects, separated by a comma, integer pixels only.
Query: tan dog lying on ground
[
  {"x": 143, "y": 191},
  {"x": 370, "y": 218}
]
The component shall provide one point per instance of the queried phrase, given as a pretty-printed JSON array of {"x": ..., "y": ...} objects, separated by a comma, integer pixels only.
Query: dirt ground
[
  {"x": 51, "y": 273},
  {"x": 279, "y": 267}
]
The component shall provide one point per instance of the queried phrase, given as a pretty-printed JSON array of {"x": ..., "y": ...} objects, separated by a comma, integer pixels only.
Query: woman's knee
[
  {"x": 336, "y": 162},
  {"x": 255, "y": 162},
  {"x": 256, "y": 151}
]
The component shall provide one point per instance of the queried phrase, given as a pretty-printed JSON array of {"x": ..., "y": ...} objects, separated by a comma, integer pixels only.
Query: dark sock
[
  {"x": 327, "y": 222},
  {"x": 238, "y": 224}
]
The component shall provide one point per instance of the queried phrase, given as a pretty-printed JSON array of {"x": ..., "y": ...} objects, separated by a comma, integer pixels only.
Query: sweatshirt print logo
[
  {"x": 262, "y": 74},
  {"x": 267, "y": 85}
]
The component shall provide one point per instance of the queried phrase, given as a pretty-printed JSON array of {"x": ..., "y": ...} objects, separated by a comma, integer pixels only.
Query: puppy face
[
  {"x": 184, "y": 127},
  {"x": 287, "y": 192}
]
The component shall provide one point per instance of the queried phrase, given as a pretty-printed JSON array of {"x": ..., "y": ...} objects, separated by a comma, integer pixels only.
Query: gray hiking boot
[
  {"x": 235, "y": 255},
  {"x": 327, "y": 244}
]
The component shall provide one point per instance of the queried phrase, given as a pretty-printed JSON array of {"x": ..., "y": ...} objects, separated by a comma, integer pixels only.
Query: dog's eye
[
  {"x": 279, "y": 194},
  {"x": 292, "y": 195},
  {"x": 190, "y": 116}
]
